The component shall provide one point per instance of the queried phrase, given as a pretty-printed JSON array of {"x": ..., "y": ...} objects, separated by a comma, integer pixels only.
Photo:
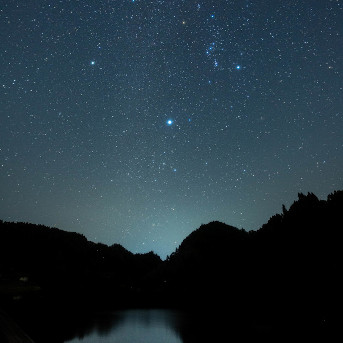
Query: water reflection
[
  {"x": 132, "y": 326},
  {"x": 168, "y": 326}
]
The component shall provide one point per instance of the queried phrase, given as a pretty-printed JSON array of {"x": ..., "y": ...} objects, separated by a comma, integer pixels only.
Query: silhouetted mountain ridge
[
  {"x": 212, "y": 236},
  {"x": 285, "y": 273},
  {"x": 66, "y": 264}
]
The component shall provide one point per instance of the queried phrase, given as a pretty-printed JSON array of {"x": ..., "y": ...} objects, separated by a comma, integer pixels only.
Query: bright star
[
  {"x": 238, "y": 67},
  {"x": 170, "y": 122},
  {"x": 92, "y": 63}
]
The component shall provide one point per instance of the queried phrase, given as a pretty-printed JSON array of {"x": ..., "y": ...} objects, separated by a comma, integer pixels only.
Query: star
[{"x": 125, "y": 89}]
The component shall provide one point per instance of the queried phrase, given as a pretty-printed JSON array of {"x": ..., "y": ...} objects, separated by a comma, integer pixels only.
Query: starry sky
[{"x": 134, "y": 122}]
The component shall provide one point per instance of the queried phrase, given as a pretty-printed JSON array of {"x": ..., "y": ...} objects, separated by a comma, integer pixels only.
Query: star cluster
[{"x": 134, "y": 122}]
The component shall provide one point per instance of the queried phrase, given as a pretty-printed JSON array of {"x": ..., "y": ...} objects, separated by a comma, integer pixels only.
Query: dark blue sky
[{"x": 134, "y": 122}]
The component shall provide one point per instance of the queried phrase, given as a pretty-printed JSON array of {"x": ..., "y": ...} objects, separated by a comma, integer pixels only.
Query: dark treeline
[
  {"x": 67, "y": 266},
  {"x": 286, "y": 275}
]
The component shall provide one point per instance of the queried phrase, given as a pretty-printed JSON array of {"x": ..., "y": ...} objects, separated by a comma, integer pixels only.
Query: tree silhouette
[{"x": 286, "y": 274}]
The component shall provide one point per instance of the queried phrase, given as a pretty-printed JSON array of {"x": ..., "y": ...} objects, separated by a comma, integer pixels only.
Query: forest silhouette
[{"x": 285, "y": 275}]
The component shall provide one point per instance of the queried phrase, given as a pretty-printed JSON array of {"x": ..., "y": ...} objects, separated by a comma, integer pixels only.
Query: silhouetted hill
[
  {"x": 298, "y": 260},
  {"x": 208, "y": 271},
  {"x": 286, "y": 274},
  {"x": 213, "y": 238},
  {"x": 67, "y": 265}
]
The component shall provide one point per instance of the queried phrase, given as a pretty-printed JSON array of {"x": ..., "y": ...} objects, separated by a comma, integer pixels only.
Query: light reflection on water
[{"x": 133, "y": 326}]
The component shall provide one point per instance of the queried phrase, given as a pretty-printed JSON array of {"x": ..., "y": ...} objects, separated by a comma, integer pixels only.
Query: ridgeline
[{"x": 286, "y": 274}]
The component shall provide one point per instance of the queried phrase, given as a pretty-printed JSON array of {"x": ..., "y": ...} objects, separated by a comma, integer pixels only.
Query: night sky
[{"x": 134, "y": 122}]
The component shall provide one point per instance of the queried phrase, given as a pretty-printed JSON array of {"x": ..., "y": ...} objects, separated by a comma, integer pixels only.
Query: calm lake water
[
  {"x": 167, "y": 326},
  {"x": 131, "y": 326}
]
